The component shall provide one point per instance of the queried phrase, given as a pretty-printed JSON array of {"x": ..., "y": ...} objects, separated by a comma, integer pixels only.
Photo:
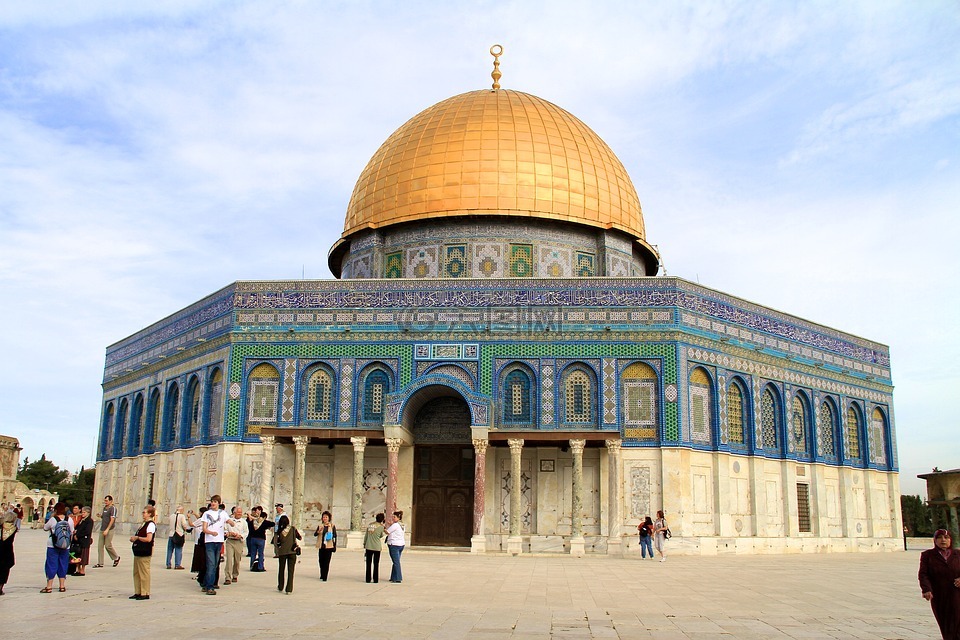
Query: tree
[
  {"x": 41, "y": 474},
  {"x": 916, "y": 516},
  {"x": 80, "y": 490}
]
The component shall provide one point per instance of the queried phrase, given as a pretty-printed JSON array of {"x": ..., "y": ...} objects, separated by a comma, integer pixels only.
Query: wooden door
[{"x": 443, "y": 495}]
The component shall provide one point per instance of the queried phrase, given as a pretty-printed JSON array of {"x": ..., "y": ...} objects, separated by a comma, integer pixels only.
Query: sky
[{"x": 805, "y": 156}]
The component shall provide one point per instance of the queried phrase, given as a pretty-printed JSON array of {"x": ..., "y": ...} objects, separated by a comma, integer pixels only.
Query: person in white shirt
[
  {"x": 178, "y": 527},
  {"x": 235, "y": 532},
  {"x": 212, "y": 522},
  {"x": 142, "y": 551},
  {"x": 395, "y": 544}
]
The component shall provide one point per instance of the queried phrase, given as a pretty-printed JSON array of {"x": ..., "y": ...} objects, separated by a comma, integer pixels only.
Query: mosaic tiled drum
[{"x": 500, "y": 361}]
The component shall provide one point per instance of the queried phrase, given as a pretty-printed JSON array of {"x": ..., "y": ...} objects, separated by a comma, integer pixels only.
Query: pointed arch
[
  {"x": 878, "y": 437},
  {"x": 852, "y": 447},
  {"x": 137, "y": 422},
  {"x": 120, "y": 441},
  {"x": 376, "y": 383},
  {"x": 317, "y": 396},
  {"x": 516, "y": 396},
  {"x": 701, "y": 398},
  {"x": 106, "y": 439},
  {"x": 800, "y": 424},
  {"x": 770, "y": 421},
  {"x": 153, "y": 419},
  {"x": 171, "y": 413},
  {"x": 263, "y": 389},
  {"x": 578, "y": 384},
  {"x": 827, "y": 429},
  {"x": 639, "y": 398},
  {"x": 213, "y": 426},
  {"x": 195, "y": 409},
  {"x": 737, "y": 414}
]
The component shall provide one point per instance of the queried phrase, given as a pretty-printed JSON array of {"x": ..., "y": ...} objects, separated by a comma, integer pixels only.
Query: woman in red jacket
[{"x": 940, "y": 583}]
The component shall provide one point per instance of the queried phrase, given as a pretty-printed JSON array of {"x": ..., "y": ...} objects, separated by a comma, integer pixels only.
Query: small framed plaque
[{"x": 548, "y": 466}]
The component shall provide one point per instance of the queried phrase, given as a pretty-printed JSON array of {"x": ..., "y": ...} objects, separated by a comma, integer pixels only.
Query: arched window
[
  {"x": 376, "y": 386},
  {"x": 769, "y": 420},
  {"x": 108, "y": 416},
  {"x": 878, "y": 437},
  {"x": 701, "y": 407},
  {"x": 826, "y": 428},
  {"x": 578, "y": 397},
  {"x": 153, "y": 413},
  {"x": 194, "y": 406},
  {"x": 320, "y": 395},
  {"x": 172, "y": 414},
  {"x": 852, "y": 434},
  {"x": 800, "y": 425},
  {"x": 639, "y": 397},
  {"x": 735, "y": 410},
  {"x": 121, "y": 440},
  {"x": 215, "y": 398},
  {"x": 516, "y": 399},
  {"x": 137, "y": 424},
  {"x": 262, "y": 394}
]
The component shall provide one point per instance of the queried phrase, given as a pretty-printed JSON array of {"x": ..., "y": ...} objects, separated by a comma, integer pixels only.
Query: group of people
[{"x": 653, "y": 535}]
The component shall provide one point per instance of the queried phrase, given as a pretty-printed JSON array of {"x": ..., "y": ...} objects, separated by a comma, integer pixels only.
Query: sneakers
[{"x": 663, "y": 559}]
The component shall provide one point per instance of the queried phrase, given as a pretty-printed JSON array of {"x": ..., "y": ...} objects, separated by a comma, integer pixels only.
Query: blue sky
[{"x": 805, "y": 156}]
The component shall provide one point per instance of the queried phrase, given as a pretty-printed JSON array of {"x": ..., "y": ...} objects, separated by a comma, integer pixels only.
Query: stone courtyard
[{"x": 460, "y": 595}]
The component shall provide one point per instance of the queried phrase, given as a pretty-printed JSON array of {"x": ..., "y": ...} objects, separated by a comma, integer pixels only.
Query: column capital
[
  {"x": 358, "y": 442},
  {"x": 516, "y": 444},
  {"x": 393, "y": 444},
  {"x": 300, "y": 442},
  {"x": 614, "y": 446},
  {"x": 267, "y": 441},
  {"x": 480, "y": 445},
  {"x": 577, "y": 445}
]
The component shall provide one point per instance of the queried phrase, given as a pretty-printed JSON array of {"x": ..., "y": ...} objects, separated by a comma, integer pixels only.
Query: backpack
[{"x": 61, "y": 534}]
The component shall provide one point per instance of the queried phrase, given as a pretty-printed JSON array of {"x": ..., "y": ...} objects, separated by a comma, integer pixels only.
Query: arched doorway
[{"x": 443, "y": 473}]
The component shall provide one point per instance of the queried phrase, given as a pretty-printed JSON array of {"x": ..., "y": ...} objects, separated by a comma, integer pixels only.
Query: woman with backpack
[
  {"x": 645, "y": 529},
  {"x": 58, "y": 547}
]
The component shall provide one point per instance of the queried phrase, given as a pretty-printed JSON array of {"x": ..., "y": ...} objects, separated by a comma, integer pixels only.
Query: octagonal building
[{"x": 499, "y": 358}]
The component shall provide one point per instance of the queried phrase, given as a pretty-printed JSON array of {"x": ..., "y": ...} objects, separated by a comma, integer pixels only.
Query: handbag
[{"x": 178, "y": 538}]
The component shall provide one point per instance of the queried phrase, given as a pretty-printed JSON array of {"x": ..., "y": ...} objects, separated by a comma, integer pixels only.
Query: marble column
[
  {"x": 514, "y": 541},
  {"x": 266, "y": 478},
  {"x": 299, "y": 470},
  {"x": 478, "y": 543},
  {"x": 393, "y": 457},
  {"x": 615, "y": 502},
  {"x": 356, "y": 499},
  {"x": 577, "y": 543}
]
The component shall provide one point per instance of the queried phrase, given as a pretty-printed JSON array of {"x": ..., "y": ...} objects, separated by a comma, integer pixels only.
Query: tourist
[
  {"x": 212, "y": 522},
  {"x": 177, "y": 538},
  {"x": 372, "y": 546},
  {"x": 257, "y": 526},
  {"x": 37, "y": 520},
  {"x": 75, "y": 514},
  {"x": 142, "y": 554},
  {"x": 199, "y": 564},
  {"x": 48, "y": 514},
  {"x": 83, "y": 540},
  {"x": 235, "y": 533},
  {"x": 58, "y": 547},
  {"x": 326, "y": 535},
  {"x": 646, "y": 537},
  {"x": 8, "y": 531},
  {"x": 287, "y": 550},
  {"x": 395, "y": 544},
  {"x": 108, "y": 522},
  {"x": 940, "y": 583},
  {"x": 660, "y": 529}
]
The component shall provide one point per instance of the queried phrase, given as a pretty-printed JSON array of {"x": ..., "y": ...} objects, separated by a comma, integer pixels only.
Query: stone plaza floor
[{"x": 459, "y": 595}]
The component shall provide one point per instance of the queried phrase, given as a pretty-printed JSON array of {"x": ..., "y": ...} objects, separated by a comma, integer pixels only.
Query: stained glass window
[
  {"x": 800, "y": 424},
  {"x": 108, "y": 430},
  {"x": 215, "y": 417},
  {"x": 768, "y": 420},
  {"x": 701, "y": 407},
  {"x": 826, "y": 424},
  {"x": 172, "y": 413},
  {"x": 376, "y": 386},
  {"x": 319, "y": 394},
  {"x": 735, "y": 414},
  {"x": 121, "y": 427},
  {"x": 155, "y": 418},
  {"x": 194, "y": 403},
  {"x": 517, "y": 404},
  {"x": 578, "y": 392},
  {"x": 264, "y": 386},
  {"x": 137, "y": 423},
  {"x": 853, "y": 434},
  {"x": 878, "y": 437}
]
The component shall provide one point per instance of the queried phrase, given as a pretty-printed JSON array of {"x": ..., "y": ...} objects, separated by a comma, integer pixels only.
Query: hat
[{"x": 279, "y": 504}]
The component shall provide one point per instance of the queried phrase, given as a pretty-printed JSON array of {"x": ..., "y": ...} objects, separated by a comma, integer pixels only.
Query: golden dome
[{"x": 495, "y": 153}]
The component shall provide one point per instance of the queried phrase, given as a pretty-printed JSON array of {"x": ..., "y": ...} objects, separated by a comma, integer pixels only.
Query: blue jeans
[
  {"x": 646, "y": 546},
  {"x": 395, "y": 574},
  {"x": 212, "y": 550},
  {"x": 256, "y": 553},
  {"x": 176, "y": 552}
]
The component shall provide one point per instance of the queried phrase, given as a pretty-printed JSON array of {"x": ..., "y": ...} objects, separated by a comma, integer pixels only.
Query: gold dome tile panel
[{"x": 498, "y": 153}]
